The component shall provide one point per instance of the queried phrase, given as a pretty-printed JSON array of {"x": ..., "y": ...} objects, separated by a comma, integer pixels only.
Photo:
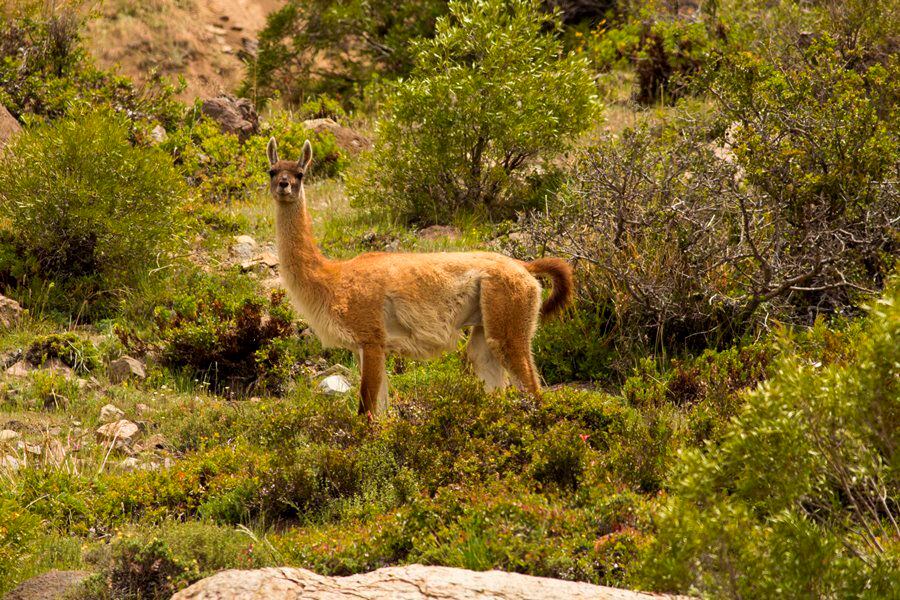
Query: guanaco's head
[{"x": 286, "y": 176}]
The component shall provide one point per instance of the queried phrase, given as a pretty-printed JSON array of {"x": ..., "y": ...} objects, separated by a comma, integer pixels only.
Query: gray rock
[
  {"x": 234, "y": 115},
  {"x": 19, "y": 369},
  {"x": 122, "y": 429},
  {"x": 52, "y": 585},
  {"x": 412, "y": 582},
  {"x": 129, "y": 464},
  {"x": 158, "y": 134},
  {"x": 110, "y": 413},
  {"x": 125, "y": 368},
  {"x": 8, "y": 435},
  {"x": 8, "y": 127},
  {"x": 334, "y": 385},
  {"x": 10, "y": 310},
  {"x": 10, "y": 463},
  {"x": 439, "y": 231},
  {"x": 243, "y": 247},
  {"x": 346, "y": 139}
]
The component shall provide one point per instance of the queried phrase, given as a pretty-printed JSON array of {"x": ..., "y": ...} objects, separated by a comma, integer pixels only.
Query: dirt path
[{"x": 200, "y": 40}]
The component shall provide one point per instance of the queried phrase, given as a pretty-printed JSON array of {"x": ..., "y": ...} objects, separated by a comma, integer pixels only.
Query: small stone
[
  {"x": 10, "y": 311},
  {"x": 129, "y": 464},
  {"x": 123, "y": 430},
  {"x": 126, "y": 368},
  {"x": 29, "y": 448},
  {"x": 439, "y": 231},
  {"x": 10, "y": 463},
  {"x": 335, "y": 369},
  {"x": 141, "y": 408},
  {"x": 334, "y": 385},
  {"x": 110, "y": 413},
  {"x": 19, "y": 369},
  {"x": 269, "y": 259},
  {"x": 8, "y": 435},
  {"x": 58, "y": 367},
  {"x": 243, "y": 247},
  {"x": 158, "y": 134}
]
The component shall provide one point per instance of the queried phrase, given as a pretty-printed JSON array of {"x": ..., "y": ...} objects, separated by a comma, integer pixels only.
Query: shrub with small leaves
[
  {"x": 70, "y": 348},
  {"x": 489, "y": 96},
  {"x": 86, "y": 215}
]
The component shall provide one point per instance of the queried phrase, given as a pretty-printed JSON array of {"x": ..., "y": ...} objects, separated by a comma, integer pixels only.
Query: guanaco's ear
[
  {"x": 305, "y": 156},
  {"x": 272, "y": 151}
]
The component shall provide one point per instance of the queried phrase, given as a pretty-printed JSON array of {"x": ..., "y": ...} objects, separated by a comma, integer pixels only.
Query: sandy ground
[{"x": 201, "y": 40}]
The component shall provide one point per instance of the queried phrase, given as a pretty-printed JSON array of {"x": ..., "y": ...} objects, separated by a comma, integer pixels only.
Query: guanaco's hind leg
[
  {"x": 485, "y": 364},
  {"x": 373, "y": 391},
  {"x": 509, "y": 312}
]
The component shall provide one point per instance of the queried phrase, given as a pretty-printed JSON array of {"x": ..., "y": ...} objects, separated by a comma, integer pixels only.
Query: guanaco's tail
[{"x": 560, "y": 272}]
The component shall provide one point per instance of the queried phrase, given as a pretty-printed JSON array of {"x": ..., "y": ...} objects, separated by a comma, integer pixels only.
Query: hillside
[{"x": 200, "y": 40}]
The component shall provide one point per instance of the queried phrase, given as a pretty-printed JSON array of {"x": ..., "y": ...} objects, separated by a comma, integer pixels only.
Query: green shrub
[
  {"x": 18, "y": 528},
  {"x": 235, "y": 341},
  {"x": 490, "y": 94},
  {"x": 86, "y": 214},
  {"x": 322, "y": 107},
  {"x": 799, "y": 497},
  {"x": 330, "y": 47},
  {"x": 46, "y": 72},
  {"x": 140, "y": 570},
  {"x": 70, "y": 348},
  {"x": 223, "y": 168}
]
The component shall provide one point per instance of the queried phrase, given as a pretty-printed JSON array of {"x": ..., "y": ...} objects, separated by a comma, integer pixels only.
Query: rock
[
  {"x": 243, "y": 247},
  {"x": 346, "y": 139},
  {"x": 52, "y": 585},
  {"x": 129, "y": 464},
  {"x": 269, "y": 259},
  {"x": 125, "y": 368},
  {"x": 334, "y": 385},
  {"x": 141, "y": 408},
  {"x": 8, "y": 127},
  {"x": 335, "y": 369},
  {"x": 30, "y": 448},
  {"x": 122, "y": 429},
  {"x": 58, "y": 367},
  {"x": 110, "y": 413},
  {"x": 412, "y": 582},
  {"x": 10, "y": 463},
  {"x": 158, "y": 134},
  {"x": 10, "y": 310},
  {"x": 439, "y": 231},
  {"x": 8, "y": 435},
  {"x": 234, "y": 115}
]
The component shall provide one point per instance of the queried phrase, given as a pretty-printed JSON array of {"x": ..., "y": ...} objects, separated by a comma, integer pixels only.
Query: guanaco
[{"x": 412, "y": 304}]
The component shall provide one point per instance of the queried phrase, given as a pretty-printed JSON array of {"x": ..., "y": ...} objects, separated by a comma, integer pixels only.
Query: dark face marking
[{"x": 285, "y": 179}]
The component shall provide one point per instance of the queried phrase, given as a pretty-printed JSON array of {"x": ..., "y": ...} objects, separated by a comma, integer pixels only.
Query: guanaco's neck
[{"x": 297, "y": 248}]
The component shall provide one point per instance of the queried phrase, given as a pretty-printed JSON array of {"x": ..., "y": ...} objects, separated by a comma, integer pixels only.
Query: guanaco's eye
[{"x": 272, "y": 173}]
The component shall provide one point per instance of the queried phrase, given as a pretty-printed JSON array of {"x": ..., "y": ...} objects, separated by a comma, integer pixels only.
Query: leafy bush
[
  {"x": 70, "y": 348},
  {"x": 791, "y": 215},
  {"x": 800, "y": 496},
  {"x": 18, "y": 528},
  {"x": 488, "y": 95},
  {"x": 666, "y": 51},
  {"x": 46, "y": 72},
  {"x": 325, "y": 46},
  {"x": 221, "y": 167},
  {"x": 85, "y": 211},
  {"x": 146, "y": 571},
  {"x": 235, "y": 342}
]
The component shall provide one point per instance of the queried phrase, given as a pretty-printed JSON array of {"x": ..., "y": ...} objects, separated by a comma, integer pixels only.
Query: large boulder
[
  {"x": 125, "y": 368},
  {"x": 346, "y": 139},
  {"x": 413, "y": 582},
  {"x": 8, "y": 127},
  {"x": 234, "y": 115},
  {"x": 48, "y": 586}
]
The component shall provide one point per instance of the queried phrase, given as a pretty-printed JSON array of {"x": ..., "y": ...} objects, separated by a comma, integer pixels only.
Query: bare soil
[{"x": 204, "y": 41}]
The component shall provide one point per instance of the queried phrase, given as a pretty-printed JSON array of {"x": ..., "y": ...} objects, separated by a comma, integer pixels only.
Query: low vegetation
[{"x": 721, "y": 402}]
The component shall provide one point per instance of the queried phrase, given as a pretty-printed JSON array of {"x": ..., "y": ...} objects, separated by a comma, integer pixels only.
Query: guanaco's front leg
[{"x": 372, "y": 368}]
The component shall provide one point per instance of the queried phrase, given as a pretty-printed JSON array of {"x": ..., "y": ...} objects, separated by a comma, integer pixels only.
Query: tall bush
[
  {"x": 800, "y": 498},
  {"x": 785, "y": 207},
  {"x": 84, "y": 209},
  {"x": 490, "y": 94}
]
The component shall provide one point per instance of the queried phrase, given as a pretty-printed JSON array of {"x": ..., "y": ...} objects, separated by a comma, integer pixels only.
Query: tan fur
[{"x": 414, "y": 305}]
